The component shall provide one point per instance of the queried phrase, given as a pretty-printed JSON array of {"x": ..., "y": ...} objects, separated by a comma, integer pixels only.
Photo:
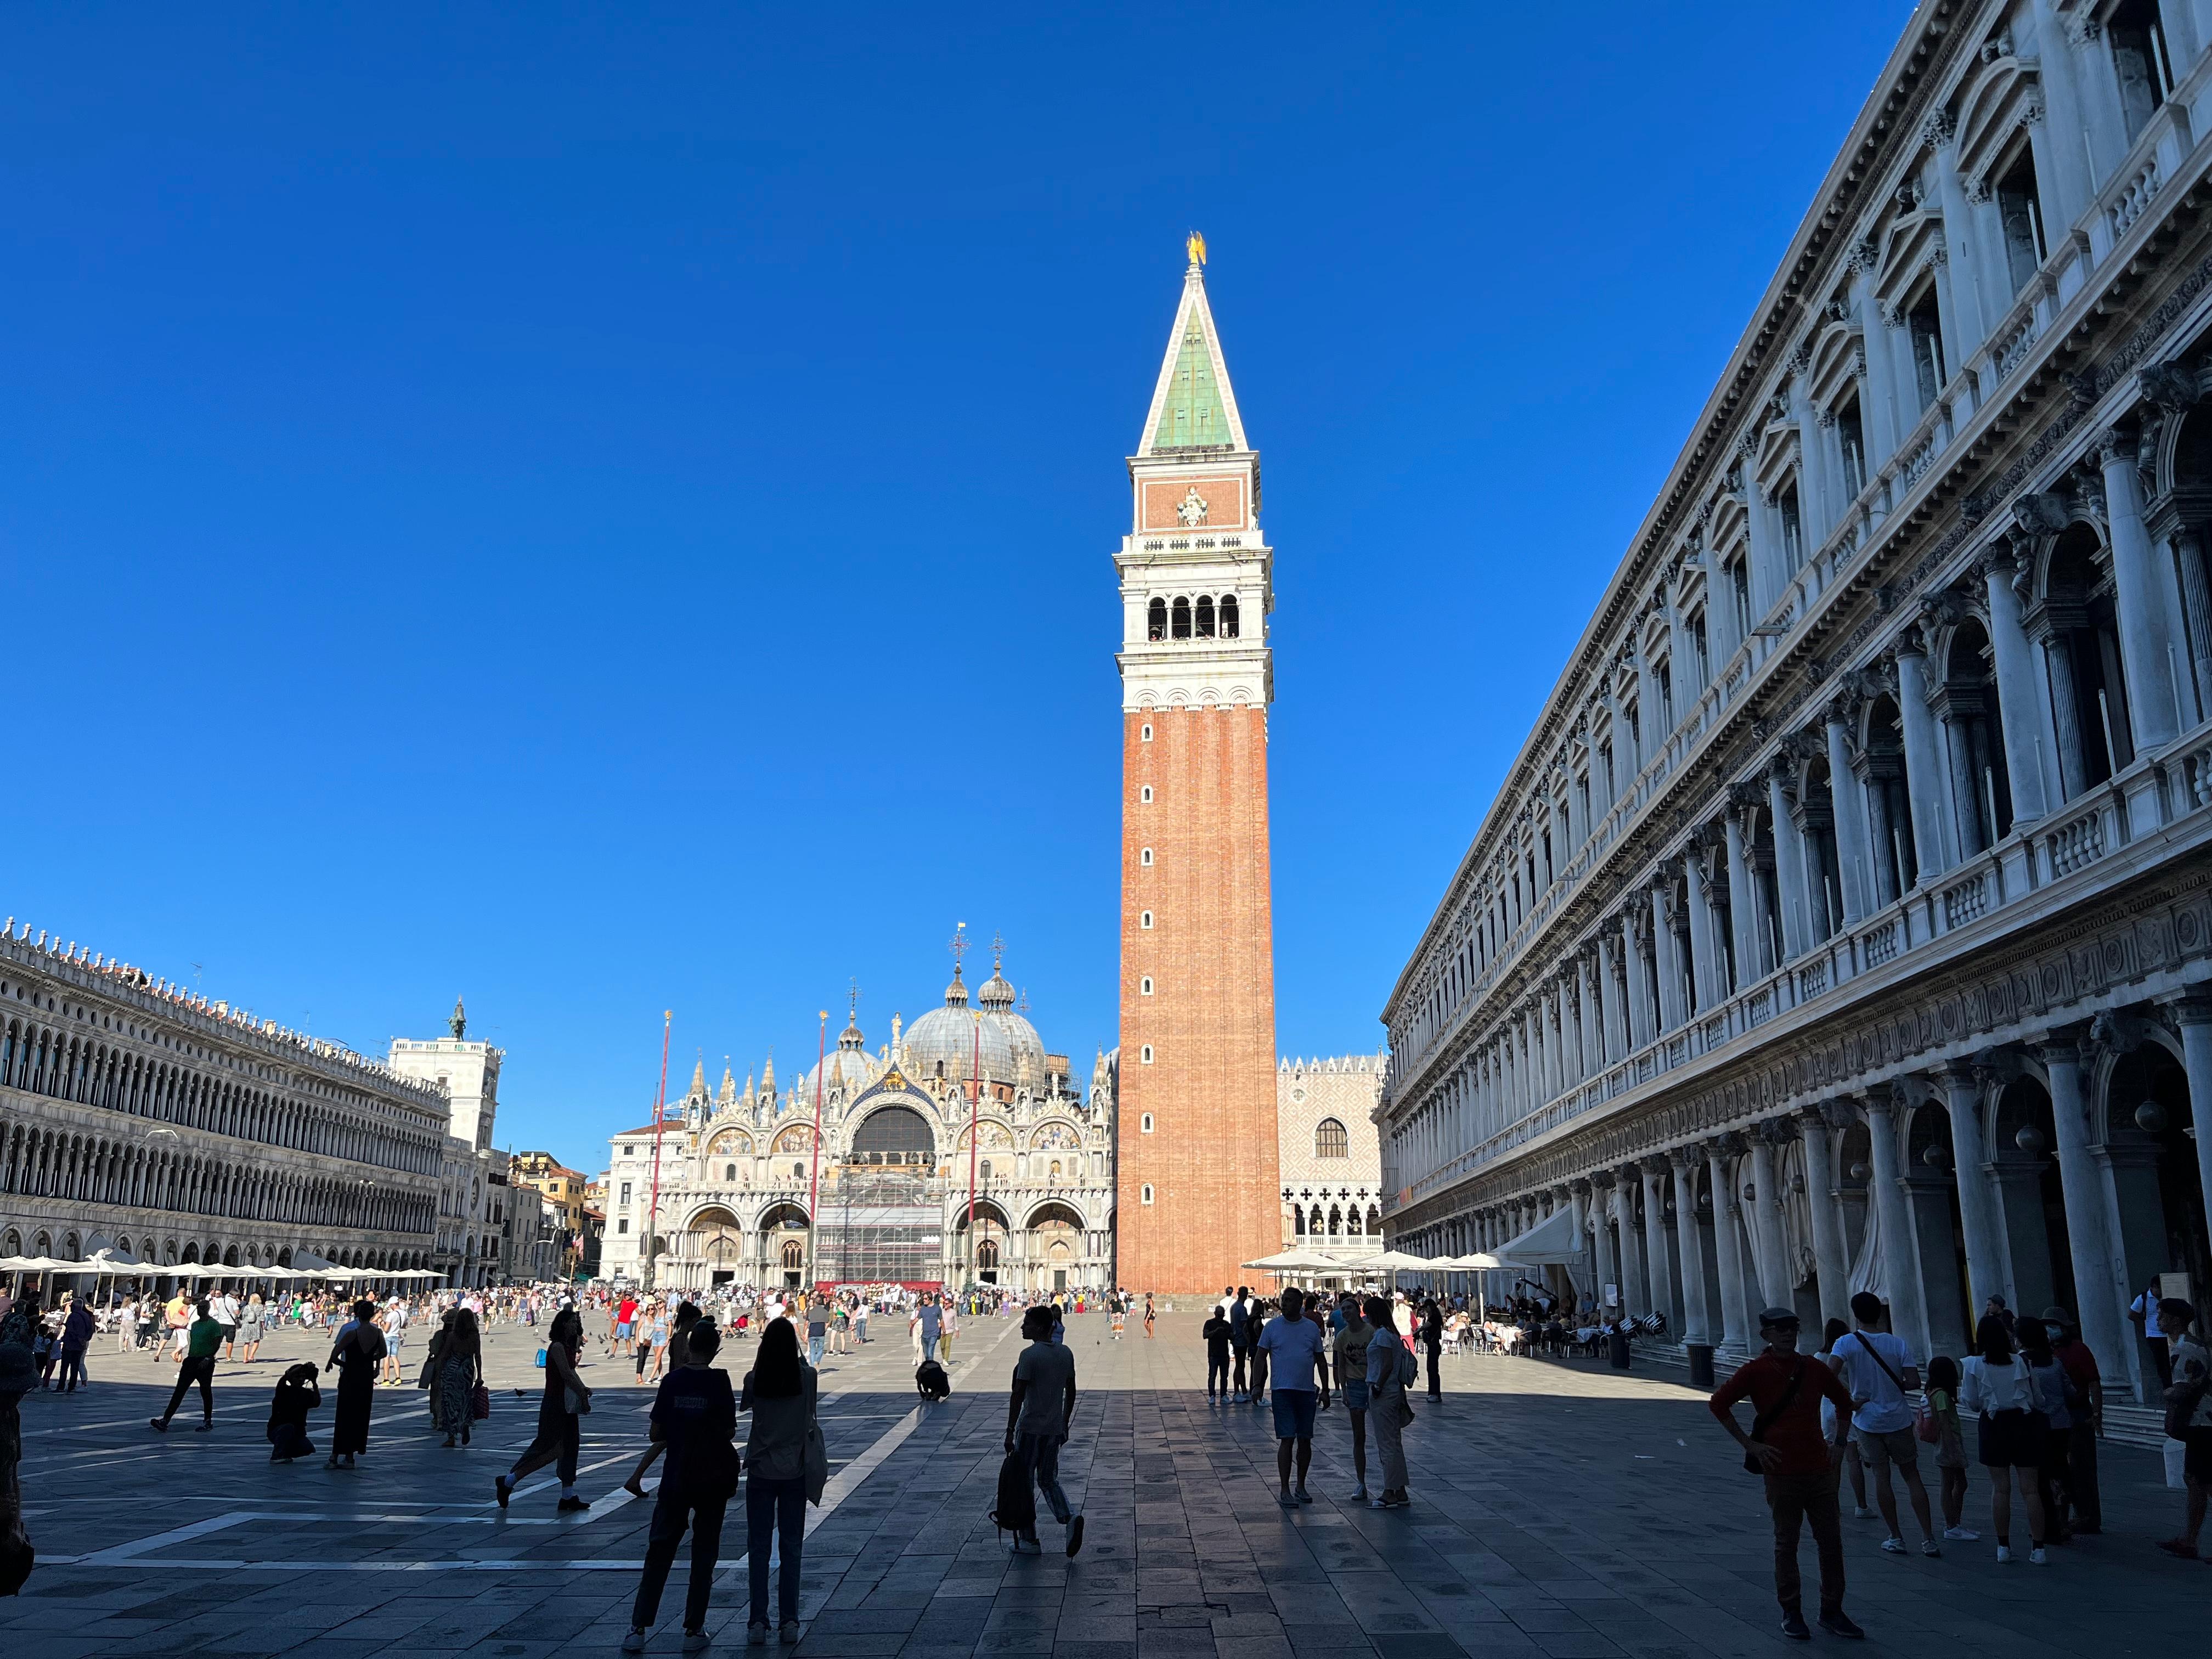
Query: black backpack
[
  {"x": 930, "y": 1381},
  {"x": 1016, "y": 1510}
]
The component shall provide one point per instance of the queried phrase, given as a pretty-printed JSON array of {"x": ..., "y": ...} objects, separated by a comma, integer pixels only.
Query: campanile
[{"x": 1198, "y": 1190}]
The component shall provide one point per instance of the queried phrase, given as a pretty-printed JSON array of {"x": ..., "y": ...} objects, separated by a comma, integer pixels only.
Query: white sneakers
[
  {"x": 2037, "y": 1557},
  {"x": 1962, "y": 1535},
  {"x": 2004, "y": 1554}
]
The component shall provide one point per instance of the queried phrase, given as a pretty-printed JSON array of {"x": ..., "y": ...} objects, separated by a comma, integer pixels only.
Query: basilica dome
[
  {"x": 943, "y": 1043},
  {"x": 850, "y": 1067}
]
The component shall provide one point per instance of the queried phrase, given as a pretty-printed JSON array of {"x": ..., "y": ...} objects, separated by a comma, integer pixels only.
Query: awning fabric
[{"x": 1551, "y": 1243}]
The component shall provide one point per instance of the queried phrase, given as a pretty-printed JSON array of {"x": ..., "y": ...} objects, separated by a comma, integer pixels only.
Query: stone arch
[{"x": 894, "y": 1134}]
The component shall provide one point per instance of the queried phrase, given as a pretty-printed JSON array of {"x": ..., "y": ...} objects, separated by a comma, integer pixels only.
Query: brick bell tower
[{"x": 1198, "y": 1191}]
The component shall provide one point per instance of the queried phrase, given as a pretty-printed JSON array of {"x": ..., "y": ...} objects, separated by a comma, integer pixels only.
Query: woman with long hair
[
  {"x": 560, "y": 1414},
  {"x": 1432, "y": 1342},
  {"x": 1950, "y": 1446},
  {"x": 1999, "y": 1388},
  {"x": 251, "y": 1319},
  {"x": 460, "y": 1368},
  {"x": 778, "y": 1392},
  {"x": 357, "y": 1352}
]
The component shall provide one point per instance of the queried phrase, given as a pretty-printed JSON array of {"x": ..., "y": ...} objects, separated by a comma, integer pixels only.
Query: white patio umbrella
[{"x": 1292, "y": 1260}]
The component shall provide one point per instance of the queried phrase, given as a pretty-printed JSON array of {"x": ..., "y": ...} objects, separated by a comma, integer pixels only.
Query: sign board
[{"x": 1612, "y": 1296}]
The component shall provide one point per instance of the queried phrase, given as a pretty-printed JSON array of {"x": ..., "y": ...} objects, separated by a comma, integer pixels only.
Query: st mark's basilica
[{"x": 738, "y": 1182}]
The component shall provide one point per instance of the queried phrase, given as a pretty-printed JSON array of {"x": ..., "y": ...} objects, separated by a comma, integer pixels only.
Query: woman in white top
[{"x": 1999, "y": 1388}]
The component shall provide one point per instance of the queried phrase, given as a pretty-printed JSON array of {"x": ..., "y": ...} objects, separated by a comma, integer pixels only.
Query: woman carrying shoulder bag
[
  {"x": 560, "y": 1414},
  {"x": 1999, "y": 1387},
  {"x": 785, "y": 1467},
  {"x": 460, "y": 1369}
]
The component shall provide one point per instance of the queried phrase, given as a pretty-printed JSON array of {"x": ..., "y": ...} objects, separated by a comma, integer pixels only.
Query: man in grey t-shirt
[{"x": 1038, "y": 1413}]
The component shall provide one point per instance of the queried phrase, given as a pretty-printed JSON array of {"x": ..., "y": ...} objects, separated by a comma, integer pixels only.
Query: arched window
[
  {"x": 1336, "y": 1221},
  {"x": 986, "y": 1256},
  {"x": 1330, "y": 1139},
  {"x": 729, "y": 1172},
  {"x": 1179, "y": 628},
  {"x": 1228, "y": 616},
  {"x": 1206, "y": 616},
  {"x": 1156, "y": 620},
  {"x": 1298, "y": 1220},
  {"x": 793, "y": 1256},
  {"x": 1374, "y": 1222}
]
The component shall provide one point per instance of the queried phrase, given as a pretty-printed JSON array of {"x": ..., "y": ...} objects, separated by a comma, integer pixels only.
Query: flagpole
[
  {"x": 650, "y": 1277},
  {"x": 814, "y": 1177},
  {"x": 975, "y": 1102}
]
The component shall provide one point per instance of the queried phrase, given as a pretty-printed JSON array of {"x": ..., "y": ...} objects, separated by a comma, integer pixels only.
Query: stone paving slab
[{"x": 1562, "y": 1511}]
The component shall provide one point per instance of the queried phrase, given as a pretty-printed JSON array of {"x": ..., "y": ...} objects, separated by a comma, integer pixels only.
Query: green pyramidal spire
[{"x": 1192, "y": 416}]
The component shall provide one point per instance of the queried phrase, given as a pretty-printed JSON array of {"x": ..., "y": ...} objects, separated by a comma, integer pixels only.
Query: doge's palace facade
[
  {"x": 174, "y": 1129},
  {"x": 1845, "y": 922}
]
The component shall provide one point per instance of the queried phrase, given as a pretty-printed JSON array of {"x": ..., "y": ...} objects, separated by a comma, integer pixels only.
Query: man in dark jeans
[
  {"x": 696, "y": 1414},
  {"x": 202, "y": 1338},
  {"x": 1240, "y": 1341},
  {"x": 1039, "y": 1410},
  {"x": 1799, "y": 1463}
]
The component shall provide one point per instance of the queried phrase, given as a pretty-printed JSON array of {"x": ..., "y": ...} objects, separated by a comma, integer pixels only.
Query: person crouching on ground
[
  {"x": 298, "y": 1393},
  {"x": 1799, "y": 1464},
  {"x": 1039, "y": 1411}
]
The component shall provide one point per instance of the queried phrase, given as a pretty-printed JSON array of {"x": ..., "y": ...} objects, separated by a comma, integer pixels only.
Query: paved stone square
[{"x": 1560, "y": 1510}]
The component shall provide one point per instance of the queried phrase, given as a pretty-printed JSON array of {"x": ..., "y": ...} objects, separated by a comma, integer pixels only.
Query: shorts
[
  {"x": 1881, "y": 1447},
  {"x": 1294, "y": 1413},
  {"x": 1355, "y": 1395},
  {"x": 183, "y": 1339},
  {"x": 2197, "y": 1459},
  {"x": 622, "y": 1333},
  {"x": 2012, "y": 1439}
]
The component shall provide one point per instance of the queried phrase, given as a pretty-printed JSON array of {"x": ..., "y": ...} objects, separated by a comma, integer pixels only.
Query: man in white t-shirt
[
  {"x": 1878, "y": 1368},
  {"x": 223, "y": 1310}
]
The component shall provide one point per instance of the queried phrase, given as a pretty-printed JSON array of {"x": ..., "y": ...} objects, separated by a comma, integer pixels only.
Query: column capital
[
  {"x": 1601, "y": 1179},
  {"x": 1629, "y": 1174},
  {"x": 1730, "y": 1145},
  {"x": 2193, "y": 1006},
  {"x": 1580, "y": 1186},
  {"x": 1684, "y": 1158},
  {"x": 1777, "y": 1132},
  {"x": 2116, "y": 444},
  {"x": 1655, "y": 1165}
]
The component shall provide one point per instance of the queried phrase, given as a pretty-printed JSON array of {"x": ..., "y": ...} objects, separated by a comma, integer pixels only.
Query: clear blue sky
[{"x": 607, "y": 513}]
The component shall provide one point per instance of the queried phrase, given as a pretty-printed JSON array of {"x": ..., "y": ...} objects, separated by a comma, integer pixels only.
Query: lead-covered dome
[
  {"x": 848, "y": 1068},
  {"x": 943, "y": 1043}
]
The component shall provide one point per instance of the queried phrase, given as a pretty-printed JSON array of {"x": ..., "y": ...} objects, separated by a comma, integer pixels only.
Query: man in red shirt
[
  {"x": 1799, "y": 1463},
  {"x": 2081, "y": 1439}
]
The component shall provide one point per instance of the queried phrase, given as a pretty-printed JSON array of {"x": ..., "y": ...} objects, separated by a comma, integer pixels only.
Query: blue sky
[{"x": 607, "y": 513}]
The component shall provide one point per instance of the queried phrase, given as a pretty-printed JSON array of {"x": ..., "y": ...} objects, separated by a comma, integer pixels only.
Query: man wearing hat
[
  {"x": 1798, "y": 1462},
  {"x": 2081, "y": 1367}
]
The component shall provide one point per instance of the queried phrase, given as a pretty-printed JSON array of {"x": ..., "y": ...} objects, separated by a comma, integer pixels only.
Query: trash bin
[
  {"x": 1617, "y": 1348},
  {"x": 1701, "y": 1365}
]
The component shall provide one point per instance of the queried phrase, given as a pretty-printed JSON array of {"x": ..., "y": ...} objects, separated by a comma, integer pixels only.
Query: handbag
[
  {"x": 1765, "y": 1420},
  {"x": 575, "y": 1404},
  {"x": 815, "y": 1462},
  {"x": 479, "y": 1403}
]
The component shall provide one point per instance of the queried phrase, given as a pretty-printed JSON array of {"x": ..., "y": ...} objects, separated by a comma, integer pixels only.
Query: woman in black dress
[
  {"x": 559, "y": 1432},
  {"x": 1432, "y": 1342},
  {"x": 357, "y": 1353}
]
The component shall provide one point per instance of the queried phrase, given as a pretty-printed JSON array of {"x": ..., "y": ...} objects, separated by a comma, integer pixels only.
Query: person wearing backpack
[
  {"x": 2188, "y": 1416},
  {"x": 1391, "y": 1369},
  {"x": 1879, "y": 1370},
  {"x": 1039, "y": 1409},
  {"x": 1799, "y": 1464},
  {"x": 695, "y": 1413}
]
